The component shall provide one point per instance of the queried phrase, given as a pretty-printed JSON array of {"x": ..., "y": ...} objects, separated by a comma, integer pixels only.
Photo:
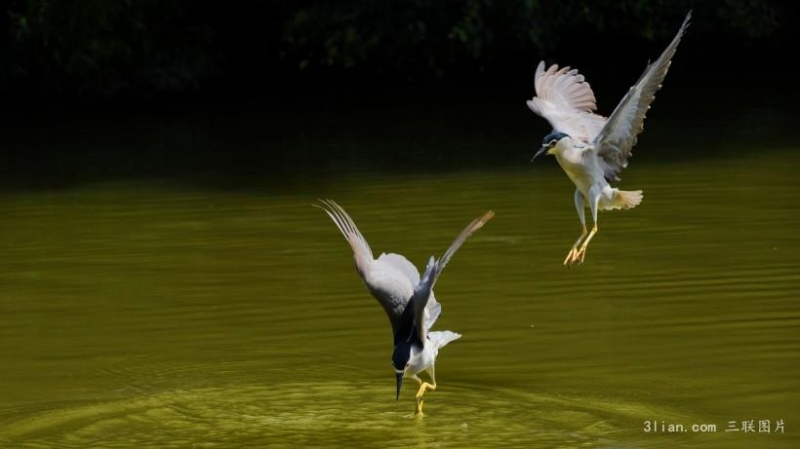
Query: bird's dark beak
[
  {"x": 399, "y": 383},
  {"x": 541, "y": 150}
]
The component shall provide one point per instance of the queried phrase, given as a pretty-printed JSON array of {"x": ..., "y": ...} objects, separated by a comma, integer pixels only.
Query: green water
[{"x": 156, "y": 312}]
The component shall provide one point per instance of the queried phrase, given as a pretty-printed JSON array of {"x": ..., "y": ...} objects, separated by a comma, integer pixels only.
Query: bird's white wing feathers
[
  {"x": 565, "y": 99},
  {"x": 615, "y": 141},
  {"x": 564, "y": 87}
]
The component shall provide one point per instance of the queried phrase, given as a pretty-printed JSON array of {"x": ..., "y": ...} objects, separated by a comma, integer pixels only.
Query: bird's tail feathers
[
  {"x": 625, "y": 199},
  {"x": 441, "y": 338}
]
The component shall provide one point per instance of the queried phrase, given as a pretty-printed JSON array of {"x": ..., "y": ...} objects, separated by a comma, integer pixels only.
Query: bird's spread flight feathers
[
  {"x": 361, "y": 250},
  {"x": 565, "y": 99},
  {"x": 564, "y": 87},
  {"x": 615, "y": 141},
  {"x": 394, "y": 281},
  {"x": 390, "y": 279}
]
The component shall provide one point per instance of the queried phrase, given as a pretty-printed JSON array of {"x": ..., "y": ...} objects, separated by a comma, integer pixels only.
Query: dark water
[{"x": 224, "y": 311}]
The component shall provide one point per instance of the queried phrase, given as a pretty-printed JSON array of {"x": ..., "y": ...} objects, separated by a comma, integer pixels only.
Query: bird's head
[
  {"x": 400, "y": 358},
  {"x": 550, "y": 143}
]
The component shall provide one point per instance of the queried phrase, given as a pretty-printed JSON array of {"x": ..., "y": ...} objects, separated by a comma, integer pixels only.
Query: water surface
[{"x": 224, "y": 311}]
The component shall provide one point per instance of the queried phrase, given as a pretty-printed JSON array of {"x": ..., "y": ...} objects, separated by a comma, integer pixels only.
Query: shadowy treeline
[
  {"x": 142, "y": 48},
  {"x": 277, "y": 91}
]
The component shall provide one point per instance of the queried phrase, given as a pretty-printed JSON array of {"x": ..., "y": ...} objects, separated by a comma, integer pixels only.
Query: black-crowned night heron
[
  {"x": 407, "y": 299},
  {"x": 590, "y": 148}
]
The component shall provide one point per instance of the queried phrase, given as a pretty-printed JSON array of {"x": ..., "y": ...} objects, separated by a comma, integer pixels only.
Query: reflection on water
[{"x": 157, "y": 314}]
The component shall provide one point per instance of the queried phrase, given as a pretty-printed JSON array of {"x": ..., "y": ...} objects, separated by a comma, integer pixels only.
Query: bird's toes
[{"x": 573, "y": 256}]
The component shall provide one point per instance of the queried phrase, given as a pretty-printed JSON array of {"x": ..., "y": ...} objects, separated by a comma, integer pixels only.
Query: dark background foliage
[{"x": 152, "y": 48}]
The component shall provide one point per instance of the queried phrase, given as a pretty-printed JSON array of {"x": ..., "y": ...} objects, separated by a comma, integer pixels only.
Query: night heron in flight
[
  {"x": 590, "y": 148},
  {"x": 407, "y": 299}
]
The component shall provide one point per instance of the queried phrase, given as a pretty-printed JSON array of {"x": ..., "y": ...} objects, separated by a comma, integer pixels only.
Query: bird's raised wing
[
  {"x": 361, "y": 250},
  {"x": 390, "y": 279},
  {"x": 614, "y": 142},
  {"x": 565, "y": 99},
  {"x": 434, "y": 268}
]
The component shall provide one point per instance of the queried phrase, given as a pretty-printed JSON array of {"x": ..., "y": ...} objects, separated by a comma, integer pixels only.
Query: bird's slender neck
[
  {"x": 562, "y": 146},
  {"x": 569, "y": 154}
]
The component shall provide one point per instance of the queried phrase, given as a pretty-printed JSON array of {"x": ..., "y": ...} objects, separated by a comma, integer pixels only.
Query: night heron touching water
[
  {"x": 590, "y": 148},
  {"x": 407, "y": 299}
]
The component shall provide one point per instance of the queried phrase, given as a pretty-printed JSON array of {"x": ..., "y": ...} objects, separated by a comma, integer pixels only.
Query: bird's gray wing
[
  {"x": 361, "y": 250},
  {"x": 390, "y": 279},
  {"x": 566, "y": 101},
  {"x": 614, "y": 142},
  {"x": 423, "y": 291}
]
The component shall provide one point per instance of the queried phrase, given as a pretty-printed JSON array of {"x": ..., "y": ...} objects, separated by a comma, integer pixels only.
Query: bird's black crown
[
  {"x": 553, "y": 136},
  {"x": 402, "y": 352}
]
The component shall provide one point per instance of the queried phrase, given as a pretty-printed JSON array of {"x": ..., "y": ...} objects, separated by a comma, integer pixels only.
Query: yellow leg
[
  {"x": 424, "y": 386},
  {"x": 581, "y": 253},
  {"x": 573, "y": 252}
]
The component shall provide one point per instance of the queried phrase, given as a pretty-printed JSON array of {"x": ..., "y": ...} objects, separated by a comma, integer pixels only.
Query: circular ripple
[{"x": 317, "y": 414}]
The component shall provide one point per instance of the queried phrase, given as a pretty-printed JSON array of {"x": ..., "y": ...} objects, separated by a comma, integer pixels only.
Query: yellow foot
[
  {"x": 423, "y": 387},
  {"x": 570, "y": 255},
  {"x": 575, "y": 255},
  {"x": 580, "y": 255}
]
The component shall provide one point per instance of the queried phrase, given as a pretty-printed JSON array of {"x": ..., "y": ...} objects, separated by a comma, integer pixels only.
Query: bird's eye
[
  {"x": 408, "y": 364},
  {"x": 552, "y": 143}
]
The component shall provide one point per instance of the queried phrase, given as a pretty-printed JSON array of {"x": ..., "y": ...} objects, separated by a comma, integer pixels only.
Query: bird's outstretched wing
[
  {"x": 614, "y": 142},
  {"x": 565, "y": 99},
  {"x": 361, "y": 250},
  {"x": 390, "y": 279},
  {"x": 434, "y": 268}
]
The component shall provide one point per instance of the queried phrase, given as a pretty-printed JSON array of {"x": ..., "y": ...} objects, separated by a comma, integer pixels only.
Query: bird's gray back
[
  {"x": 391, "y": 280},
  {"x": 402, "y": 264}
]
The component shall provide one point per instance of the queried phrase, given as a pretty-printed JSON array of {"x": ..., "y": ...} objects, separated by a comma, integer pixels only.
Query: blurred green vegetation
[
  {"x": 116, "y": 47},
  {"x": 108, "y": 46}
]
